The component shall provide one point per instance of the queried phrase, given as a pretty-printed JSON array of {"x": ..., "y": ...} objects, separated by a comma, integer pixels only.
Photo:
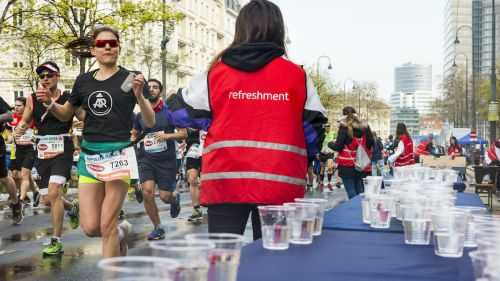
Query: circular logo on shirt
[{"x": 100, "y": 103}]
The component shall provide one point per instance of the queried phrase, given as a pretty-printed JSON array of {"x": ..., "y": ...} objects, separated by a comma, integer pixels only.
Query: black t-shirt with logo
[{"x": 109, "y": 109}]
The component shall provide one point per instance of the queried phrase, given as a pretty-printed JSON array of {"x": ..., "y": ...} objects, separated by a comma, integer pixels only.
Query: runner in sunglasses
[{"x": 107, "y": 162}]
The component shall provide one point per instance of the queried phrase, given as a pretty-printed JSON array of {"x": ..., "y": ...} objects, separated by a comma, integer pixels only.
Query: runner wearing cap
[
  {"x": 157, "y": 160},
  {"x": 24, "y": 155},
  {"x": 54, "y": 147},
  {"x": 107, "y": 163}
]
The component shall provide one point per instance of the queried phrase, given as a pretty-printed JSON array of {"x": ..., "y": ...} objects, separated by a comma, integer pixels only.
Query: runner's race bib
[
  {"x": 110, "y": 166},
  {"x": 26, "y": 139},
  {"x": 50, "y": 146},
  {"x": 152, "y": 145},
  {"x": 196, "y": 150}
]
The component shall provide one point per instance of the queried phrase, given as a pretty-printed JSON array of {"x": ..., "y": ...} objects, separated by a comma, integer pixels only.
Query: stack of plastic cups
[
  {"x": 303, "y": 221},
  {"x": 138, "y": 269},
  {"x": 276, "y": 223},
  {"x": 372, "y": 184},
  {"x": 192, "y": 255},
  {"x": 225, "y": 257},
  {"x": 318, "y": 222}
]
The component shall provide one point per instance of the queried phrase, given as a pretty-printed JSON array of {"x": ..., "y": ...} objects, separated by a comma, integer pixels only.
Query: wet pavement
[{"x": 21, "y": 246}]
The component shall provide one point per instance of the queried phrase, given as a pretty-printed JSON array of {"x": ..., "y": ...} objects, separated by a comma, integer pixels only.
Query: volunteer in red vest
[
  {"x": 263, "y": 118},
  {"x": 403, "y": 155},
  {"x": 367, "y": 141},
  {"x": 492, "y": 155},
  {"x": 454, "y": 149},
  {"x": 349, "y": 137}
]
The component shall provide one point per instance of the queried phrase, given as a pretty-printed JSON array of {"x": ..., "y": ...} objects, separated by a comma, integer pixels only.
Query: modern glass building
[{"x": 413, "y": 87}]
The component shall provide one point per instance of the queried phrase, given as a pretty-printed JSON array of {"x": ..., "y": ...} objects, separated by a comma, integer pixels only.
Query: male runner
[
  {"x": 157, "y": 160},
  {"x": 54, "y": 148},
  {"x": 24, "y": 159}
]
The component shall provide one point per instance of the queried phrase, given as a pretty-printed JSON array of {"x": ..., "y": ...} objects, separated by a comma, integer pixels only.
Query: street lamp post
[
  {"x": 493, "y": 78},
  {"x": 318, "y": 61},
  {"x": 466, "y": 84},
  {"x": 345, "y": 91}
]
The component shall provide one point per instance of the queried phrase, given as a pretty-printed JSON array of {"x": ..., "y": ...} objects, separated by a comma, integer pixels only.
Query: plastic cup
[
  {"x": 330, "y": 196},
  {"x": 303, "y": 222},
  {"x": 138, "y": 269},
  {"x": 416, "y": 224},
  {"x": 372, "y": 184},
  {"x": 365, "y": 208},
  {"x": 192, "y": 255},
  {"x": 449, "y": 244},
  {"x": 318, "y": 222},
  {"x": 380, "y": 211},
  {"x": 470, "y": 235},
  {"x": 275, "y": 224},
  {"x": 479, "y": 261},
  {"x": 225, "y": 257}
]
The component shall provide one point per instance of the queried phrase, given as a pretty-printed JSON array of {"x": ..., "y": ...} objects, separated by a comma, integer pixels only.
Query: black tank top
[{"x": 50, "y": 124}]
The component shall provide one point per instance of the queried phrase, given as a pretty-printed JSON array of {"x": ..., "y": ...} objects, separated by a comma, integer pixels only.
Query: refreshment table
[{"x": 347, "y": 252}]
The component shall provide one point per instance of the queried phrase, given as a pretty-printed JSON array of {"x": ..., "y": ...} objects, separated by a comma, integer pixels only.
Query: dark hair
[
  {"x": 258, "y": 21},
  {"x": 157, "y": 82},
  {"x": 454, "y": 139},
  {"x": 401, "y": 130},
  {"x": 21, "y": 99},
  {"x": 348, "y": 110},
  {"x": 102, "y": 29}
]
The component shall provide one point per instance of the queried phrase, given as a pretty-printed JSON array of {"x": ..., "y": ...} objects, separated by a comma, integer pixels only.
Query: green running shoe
[
  {"x": 74, "y": 215},
  {"x": 55, "y": 248}
]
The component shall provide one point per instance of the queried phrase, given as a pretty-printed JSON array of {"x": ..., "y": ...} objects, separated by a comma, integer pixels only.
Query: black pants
[{"x": 232, "y": 218}]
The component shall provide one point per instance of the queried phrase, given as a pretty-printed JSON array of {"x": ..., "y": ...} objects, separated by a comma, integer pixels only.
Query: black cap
[{"x": 49, "y": 66}]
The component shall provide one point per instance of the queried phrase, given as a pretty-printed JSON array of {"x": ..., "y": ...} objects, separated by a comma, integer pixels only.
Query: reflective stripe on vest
[
  {"x": 252, "y": 175},
  {"x": 255, "y": 144}
]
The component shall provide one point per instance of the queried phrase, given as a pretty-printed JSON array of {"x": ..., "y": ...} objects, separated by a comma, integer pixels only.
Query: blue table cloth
[
  {"x": 347, "y": 216},
  {"x": 352, "y": 256}
]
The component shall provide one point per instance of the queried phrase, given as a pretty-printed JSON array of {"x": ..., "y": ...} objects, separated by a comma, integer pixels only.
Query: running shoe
[
  {"x": 196, "y": 217},
  {"x": 157, "y": 234},
  {"x": 36, "y": 198},
  {"x": 74, "y": 214},
  {"x": 17, "y": 212},
  {"x": 55, "y": 248},
  {"x": 121, "y": 216},
  {"x": 138, "y": 194},
  {"x": 27, "y": 201},
  {"x": 330, "y": 186},
  {"x": 126, "y": 228},
  {"x": 175, "y": 207}
]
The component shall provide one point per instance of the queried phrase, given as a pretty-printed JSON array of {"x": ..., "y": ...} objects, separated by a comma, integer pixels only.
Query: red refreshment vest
[
  {"x": 255, "y": 150},
  {"x": 347, "y": 155},
  {"x": 406, "y": 158}
]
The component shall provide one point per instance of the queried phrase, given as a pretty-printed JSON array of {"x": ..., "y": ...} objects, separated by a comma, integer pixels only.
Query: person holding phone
[
  {"x": 107, "y": 159},
  {"x": 54, "y": 147}
]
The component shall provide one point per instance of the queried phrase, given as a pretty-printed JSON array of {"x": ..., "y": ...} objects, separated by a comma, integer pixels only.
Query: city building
[
  {"x": 409, "y": 116},
  {"x": 413, "y": 87},
  {"x": 207, "y": 28},
  {"x": 457, "y": 20}
]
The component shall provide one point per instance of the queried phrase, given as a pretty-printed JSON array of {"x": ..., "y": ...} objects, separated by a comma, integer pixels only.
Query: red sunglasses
[{"x": 102, "y": 43}]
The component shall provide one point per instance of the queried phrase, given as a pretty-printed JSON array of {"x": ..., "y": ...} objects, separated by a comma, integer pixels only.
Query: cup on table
[
  {"x": 276, "y": 226},
  {"x": 470, "y": 235},
  {"x": 224, "y": 259},
  {"x": 318, "y": 222},
  {"x": 481, "y": 259},
  {"x": 416, "y": 224},
  {"x": 380, "y": 211},
  {"x": 449, "y": 234},
  {"x": 134, "y": 268},
  {"x": 372, "y": 184},
  {"x": 304, "y": 217},
  {"x": 365, "y": 208},
  {"x": 192, "y": 255}
]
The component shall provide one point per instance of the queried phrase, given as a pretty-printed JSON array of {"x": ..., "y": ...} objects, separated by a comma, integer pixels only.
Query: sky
[{"x": 365, "y": 39}]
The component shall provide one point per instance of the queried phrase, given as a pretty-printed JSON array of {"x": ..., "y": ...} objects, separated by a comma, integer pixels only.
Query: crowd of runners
[{"x": 92, "y": 137}]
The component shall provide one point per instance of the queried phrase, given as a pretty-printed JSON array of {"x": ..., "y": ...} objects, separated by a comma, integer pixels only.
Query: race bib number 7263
[{"x": 110, "y": 166}]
